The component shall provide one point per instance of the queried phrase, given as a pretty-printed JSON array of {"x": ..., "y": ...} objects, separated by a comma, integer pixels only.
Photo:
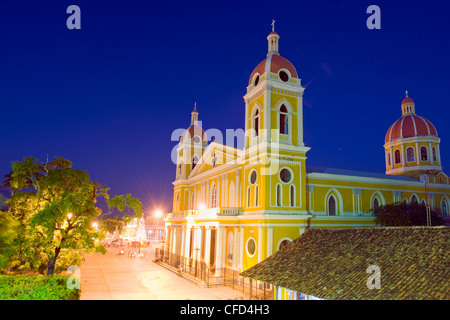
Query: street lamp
[{"x": 158, "y": 213}]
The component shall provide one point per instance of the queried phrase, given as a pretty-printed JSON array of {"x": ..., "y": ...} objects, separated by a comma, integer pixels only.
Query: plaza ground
[{"x": 120, "y": 277}]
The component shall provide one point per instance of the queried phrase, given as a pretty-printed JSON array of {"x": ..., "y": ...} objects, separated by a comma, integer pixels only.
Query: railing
[
  {"x": 223, "y": 211},
  {"x": 210, "y": 276}
]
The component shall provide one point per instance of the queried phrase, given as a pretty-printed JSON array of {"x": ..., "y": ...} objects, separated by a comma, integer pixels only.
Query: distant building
[
  {"x": 411, "y": 263},
  {"x": 145, "y": 229}
]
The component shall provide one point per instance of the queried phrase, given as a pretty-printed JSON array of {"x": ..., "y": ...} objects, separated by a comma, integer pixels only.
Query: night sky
[{"x": 108, "y": 96}]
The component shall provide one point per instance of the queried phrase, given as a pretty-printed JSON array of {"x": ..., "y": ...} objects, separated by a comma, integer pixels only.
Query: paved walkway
[{"x": 119, "y": 277}]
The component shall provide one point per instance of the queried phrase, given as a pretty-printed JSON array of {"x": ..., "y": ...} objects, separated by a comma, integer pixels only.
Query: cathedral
[{"x": 232, "y": 207}]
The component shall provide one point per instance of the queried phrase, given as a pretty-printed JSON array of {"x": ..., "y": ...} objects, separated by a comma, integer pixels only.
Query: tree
[
  {"x": 63, "y": 205},
  {"x": 8, "y": 229},
  {"x": 109, "y": 225},
  {"x": 404, "y": 214}
]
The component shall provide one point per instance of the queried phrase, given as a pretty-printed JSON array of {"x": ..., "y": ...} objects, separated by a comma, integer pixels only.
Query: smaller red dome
[
  {"x": 410, "y": 125},
  {"x": 192, "y": 131},
  {"x": 407, "y": 100}
]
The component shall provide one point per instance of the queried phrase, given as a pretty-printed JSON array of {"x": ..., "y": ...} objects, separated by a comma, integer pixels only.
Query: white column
[
  {"x": 194, "y": 244},
  {"x": 391, "y": 150},
  {"x": 174, "y": 241},
  {"x": 302, "y": 229},
  {"x": 219, "y": 249},
  {"x": 300, "y": 119},
  {"x": 417, "y": 153},
  {"x": 220, "y": 181},
  {"x": 225, "y": 202},
  {"x": 403, "y": 154},
  {"x": 267, "y": 114},
  {"x": 241, "y": 248},
  {"x": 430, "y": 153},
  {"x": 167, "y": 237},
  {"x": 187, "y": 241},
  {"x": 247, "y": 135},
  {"x": 238, "y": 198},
  {"x": 207, "y": 245},
  {"x": 183, "y": 242},
  {"x": 235, "y": 248},
  {"x": 269, "y": 240},
  {"x": 224, "y": 248},
  {"x": 260, "y": 242}
]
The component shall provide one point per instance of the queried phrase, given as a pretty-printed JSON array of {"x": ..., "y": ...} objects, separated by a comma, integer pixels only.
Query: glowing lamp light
[
  {"x": 95, "y": 225},
  {"x": 201, "y": 206},
  {"x": 158, "y": 213},
  {"x": 69, "y": 216}
]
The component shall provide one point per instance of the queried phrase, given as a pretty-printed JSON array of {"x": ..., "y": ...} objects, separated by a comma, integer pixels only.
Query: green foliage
[
  {"x": 65, "y": 259},
  {"x": 26, "y": 287},
  {"x": 403, "y": 214},
  {"x": 55, "y": 206},
  {"x": 121, "y": 202},
  {"x": 8, "y": 231},
  {"x": 109, "y": 225}
]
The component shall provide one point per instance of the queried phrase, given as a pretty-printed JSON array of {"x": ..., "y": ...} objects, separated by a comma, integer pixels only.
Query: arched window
[
  {"x": 292, "y": 194},
  {"x": 284, "y": 120},
  {"x": 414, "y": 199},
  {"x": 397, "y": 156},
  {"x": 389, "y": 158},
  {"x": 283, "y": 244},
  {"x": 444, "y": 208},
  {"x": 194, "y": 162},
  {"x": 213, "y": 196},
  {"x": 278, "y": 195},
  {"x": 410, "y": 154},
  {"x": 331, "y": 206},
  {"x": 256, "y": 196},
  {"x": 424, "y": 154},
  {"x": 256, "y": 122},
  {"x": 214, "y": 160},
  {"x": 248, "y": 197},
  {"x": 375, "y": 204},
  {"x": 434, "y": 154}
]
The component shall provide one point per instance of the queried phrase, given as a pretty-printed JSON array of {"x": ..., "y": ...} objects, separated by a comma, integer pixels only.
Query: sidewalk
[{"x": 119, "y": 277}]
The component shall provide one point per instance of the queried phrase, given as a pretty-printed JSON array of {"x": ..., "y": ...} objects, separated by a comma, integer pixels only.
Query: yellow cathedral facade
[{"x": 232, "y": 207}]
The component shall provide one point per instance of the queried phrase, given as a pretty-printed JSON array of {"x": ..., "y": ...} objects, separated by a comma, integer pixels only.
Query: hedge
[{"x": 39, "y": 287}]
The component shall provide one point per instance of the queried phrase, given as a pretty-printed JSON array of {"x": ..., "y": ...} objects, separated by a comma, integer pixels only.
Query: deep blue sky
[{"x": 108, "y": 96}]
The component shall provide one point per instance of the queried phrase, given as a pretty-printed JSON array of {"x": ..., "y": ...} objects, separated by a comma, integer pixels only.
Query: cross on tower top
[
  {"x": 273, "y": 25},
  {"x": 406, "y": 93}
]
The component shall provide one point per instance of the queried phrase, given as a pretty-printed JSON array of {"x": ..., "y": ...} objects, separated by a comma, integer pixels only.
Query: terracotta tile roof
[{"x": 332, "y": 263}]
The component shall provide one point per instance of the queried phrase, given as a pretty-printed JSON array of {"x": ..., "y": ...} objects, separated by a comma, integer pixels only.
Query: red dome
[
  {"x": 407, "y": 100},
  {"x": 410, "y": 125},
  {"x": 192, "y": 131},
  {"x": 274, "y": 63}
]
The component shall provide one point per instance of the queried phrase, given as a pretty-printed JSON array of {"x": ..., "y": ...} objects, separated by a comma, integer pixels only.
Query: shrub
[{"x": 25, "y": 287}]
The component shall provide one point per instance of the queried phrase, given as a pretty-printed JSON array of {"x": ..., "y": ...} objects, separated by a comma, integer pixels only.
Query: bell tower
[{"x": 274, "y": 129}]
